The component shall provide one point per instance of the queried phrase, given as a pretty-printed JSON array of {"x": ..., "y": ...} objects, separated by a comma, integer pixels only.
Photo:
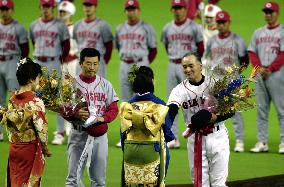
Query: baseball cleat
[
  {"x": 174, "y": 144},
  {"x": 259, "y": 147},
  {"x": 118, "y": 144},
  {"x": 239, "y": 147},
  {"x": 58, "y": 139},
  {"x": 281, "y": 148}
]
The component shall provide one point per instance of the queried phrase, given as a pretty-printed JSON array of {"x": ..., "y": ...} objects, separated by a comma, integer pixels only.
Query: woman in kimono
[
  {"x": 26, "y": 126},
  {"x": 145, "y": 130}
]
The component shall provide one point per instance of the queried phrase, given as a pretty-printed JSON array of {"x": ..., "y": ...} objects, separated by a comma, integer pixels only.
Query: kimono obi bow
[{"x": 142, "y": 120}]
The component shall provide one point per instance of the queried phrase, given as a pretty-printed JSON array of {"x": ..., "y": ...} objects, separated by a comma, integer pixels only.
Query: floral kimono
[
  {"x": 26, "y": 125},
  {"x": 144, "y": 135}
]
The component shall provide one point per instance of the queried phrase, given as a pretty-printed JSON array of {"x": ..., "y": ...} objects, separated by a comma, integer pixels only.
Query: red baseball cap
[
  {"x": 47, "y": 2},
  {"x": 222, "y": 16},
  {"x": 92, "y": 2},
  {"x": 131, "y": 3},
  {"x": 272, "y": 6},
  {"x": 7, "y": 3},
  {"x": 180, "y": 3}
]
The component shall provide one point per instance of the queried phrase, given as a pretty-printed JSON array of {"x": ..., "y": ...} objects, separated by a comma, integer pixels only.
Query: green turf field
[{"x": 246, "y": 16}]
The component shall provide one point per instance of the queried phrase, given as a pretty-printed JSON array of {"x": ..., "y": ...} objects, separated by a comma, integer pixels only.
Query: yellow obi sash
[
  {"x": 141, "y": 121},
  {"x": 18, "y": 123}
]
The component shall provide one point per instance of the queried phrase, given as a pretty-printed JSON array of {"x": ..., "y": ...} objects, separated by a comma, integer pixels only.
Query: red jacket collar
[
  {"x": 272, "y": 27},
  {"x": 87, "y": 79},
  {"x": 179, "y": 23},
  {"x": 224, "y": 35}
]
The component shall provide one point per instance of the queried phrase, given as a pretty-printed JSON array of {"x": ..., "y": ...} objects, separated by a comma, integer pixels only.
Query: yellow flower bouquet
[{"x": 48, "y": 91}]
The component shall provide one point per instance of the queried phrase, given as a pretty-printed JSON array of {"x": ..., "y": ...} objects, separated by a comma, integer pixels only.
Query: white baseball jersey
[
  {"x": 48, "y": 36},
  {"x": 134, "y": 41},
  {"x": 267, "y": 43},
  {"x": 181, "y": 39},
  {"x": 98, "y": 94},
  {"x": 72, "y": 66},
  {"x": 207, "y": 34},
  {"x": 73, "y": 45},
  {"x": 11, "y": 36},
  {"x": 189, "y": 97},
  {"x": 92, "y": 34},
  {"x": 226, "y": 51}
]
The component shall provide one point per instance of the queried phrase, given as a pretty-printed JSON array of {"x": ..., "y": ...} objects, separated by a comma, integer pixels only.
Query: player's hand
[
  {"x": 82, "y": 113},
  {"x": 100, "y": 119},
  {"x": 264, "y": 72}
]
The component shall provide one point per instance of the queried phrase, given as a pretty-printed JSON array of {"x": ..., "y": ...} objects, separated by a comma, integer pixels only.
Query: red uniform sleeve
[
  {"x": 213, "y": 2},
  {"x": 200, "y": 48},
  {"x": 192, "y": 8},
  {"x": 152, "y": 54},
  {"x": 111, "y": 112},
  {"x": 108, "y": 46},
  {"x": 65, "y": 48},
  {"x": 277, "y": 63},
  {"x": 254, "y": 59},
  {"x": 24, "y": 50}
]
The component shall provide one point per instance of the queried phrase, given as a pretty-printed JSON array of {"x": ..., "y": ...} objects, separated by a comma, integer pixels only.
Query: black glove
[{"x": 201, "y": 119}]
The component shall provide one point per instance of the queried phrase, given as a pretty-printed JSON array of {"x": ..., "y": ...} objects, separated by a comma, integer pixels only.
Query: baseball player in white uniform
[
  {"x": 208, "y": 146},
  {"x": 180, "y": 36},
  {"x": 226, "y": 49},
  {"x": 266, "y": 51},
  {"x": 136, "y": 43},
  {"x": 14, "y": 45},
  {"x": 71, "y": 62},
  {"x": 50, "y": 38},
  {"x": 92, "y": 32},
  {"x": 102, "y": 100},
  {"x": 210, "y": 29}
]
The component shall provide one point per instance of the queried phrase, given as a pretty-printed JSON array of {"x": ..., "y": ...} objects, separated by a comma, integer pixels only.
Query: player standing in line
[
  {"x": 101, "y": 97},
  {"x": 210, "y": 29},
  {"x": 70, "y": 62},
  {"x": 50, "y": 38},
  {"x": 208, "y": 148},
  {"x": 180, "y": 36},
  {"x": 225, "y": 50},
  {"x": 195, "y": 7},
  {"x": 136, "y": 43},
  {"x": 14, "y": 45},
  {"x": 266, "y": 51},
  {"x": 92, "y": 32}
]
